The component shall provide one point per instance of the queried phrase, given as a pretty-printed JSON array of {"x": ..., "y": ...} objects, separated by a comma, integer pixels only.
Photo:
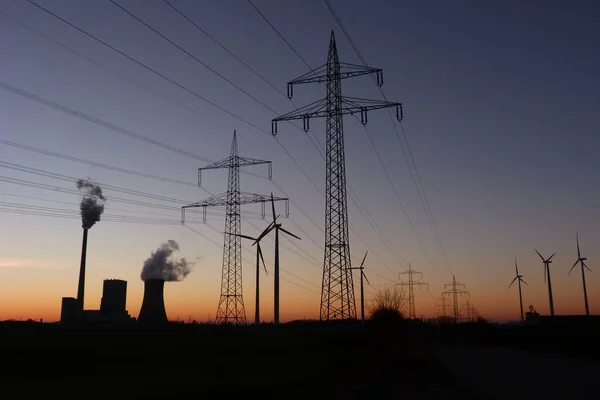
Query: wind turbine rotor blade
[
  {"x": 244, "y": 236},
  {"x": 261, "y": 257},
  {"x": 516, "y": 268},
  {"x": 538, "y": 253},
  {"x": 551, "y": 257},
  {"x": 578, "y": 252},
  {"x": 289, "y": 233},
  {"x": 544, "y": 273},
  {"x": 523, "y": 281},
  {"x": 513, "y": 281},
  {"x": 365, "y": 276},
  {"x": 586, "y": 267},
  {"x": 265, "y": 233},
  {"x": 574, "y": 265},
  {"x": 364, "y": 258}
]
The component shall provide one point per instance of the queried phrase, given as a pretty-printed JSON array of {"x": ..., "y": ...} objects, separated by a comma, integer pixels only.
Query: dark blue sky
[{"x": 500, "y": 103}]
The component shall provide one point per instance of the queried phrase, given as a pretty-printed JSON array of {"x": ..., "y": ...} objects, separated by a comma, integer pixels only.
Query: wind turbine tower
[
  {"x": 231, "y": 302},
  {"x": 455, "y": 289},
  {"x": 362, "y": 287},
  {"x": 337, "y": 290},
  {"x": 411, "y": 284},
  {"x": 259, "y": 258},
  {"x": 581, "y": 260},
  {"x": 277, "y": 227},
  {"x": 519, "y": 279},
  {"x": 547, "y": 263}
]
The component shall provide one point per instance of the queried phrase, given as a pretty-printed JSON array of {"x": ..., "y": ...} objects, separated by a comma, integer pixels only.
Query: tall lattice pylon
[
  {"x": 455, "y": 289},
  {"x": 231, "y": 302},
  {"x": 337, "y": 291},
  {"x": 411, "y": 293}
]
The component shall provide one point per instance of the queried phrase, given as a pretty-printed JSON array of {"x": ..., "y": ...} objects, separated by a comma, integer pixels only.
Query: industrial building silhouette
[{"x": 112, "y": 306}]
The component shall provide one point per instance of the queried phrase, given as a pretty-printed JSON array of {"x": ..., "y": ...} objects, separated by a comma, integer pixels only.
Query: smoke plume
[
  {"x": 160, "y": 265},
  {"x": 92, "y": 204}
]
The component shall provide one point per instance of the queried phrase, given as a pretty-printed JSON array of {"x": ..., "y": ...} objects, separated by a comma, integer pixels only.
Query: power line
[
  {"x": 97, "y": 164},
  {"x": 102, "y": 66},
  {"x": 146, "y": 67},
  {"x": 178, "y": 11},
  {"x": 126, "y": 132},
  {"x": 190, "y": 54},
  {"x": 279, "y": 33},
  {"x": 411, "y": 164}
]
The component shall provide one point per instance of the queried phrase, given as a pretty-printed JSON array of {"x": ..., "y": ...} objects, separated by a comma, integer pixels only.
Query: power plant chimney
[
  {"x": 81, "y": 286},
  {"x": 153, "y": 305}
]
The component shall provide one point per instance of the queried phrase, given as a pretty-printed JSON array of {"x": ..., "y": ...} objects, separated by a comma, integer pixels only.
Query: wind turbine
[
  {"x": 362, "y": 291},
  {"x": 582, "y": 260},
  {"x": 259, "y": 257},
  {"x": 547, "y": 273},
  {"x": 277, "y": 227},
  {"x": 519, "y": 278}
]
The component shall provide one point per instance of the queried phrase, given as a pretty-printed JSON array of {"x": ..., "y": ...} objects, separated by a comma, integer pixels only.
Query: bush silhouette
[{"x": 386, "y": 311}]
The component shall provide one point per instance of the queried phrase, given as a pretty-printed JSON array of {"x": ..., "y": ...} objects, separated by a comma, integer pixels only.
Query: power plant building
[
  {"x": 114, "y": 300},
  {"x": 112, "y": 306}
]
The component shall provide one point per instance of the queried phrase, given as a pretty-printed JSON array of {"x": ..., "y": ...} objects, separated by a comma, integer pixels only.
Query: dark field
[{"x": 291, "y": 361}]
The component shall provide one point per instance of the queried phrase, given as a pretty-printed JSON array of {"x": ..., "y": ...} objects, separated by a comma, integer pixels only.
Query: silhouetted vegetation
[{"x": 386, "y": 311}]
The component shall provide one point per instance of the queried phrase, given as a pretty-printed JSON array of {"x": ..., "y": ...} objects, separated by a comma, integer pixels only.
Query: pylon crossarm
[
  {"x": 220, "y": 200},
  {"x": 315, "y": 109},
  {"x": 319, "y": 75},
  {"x": 350, "y": 105},
  {"x": 217, "y": 164}
]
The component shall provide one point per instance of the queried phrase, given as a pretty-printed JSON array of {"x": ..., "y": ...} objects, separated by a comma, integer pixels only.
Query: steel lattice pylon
[
  {"x": 412, "y": 314},
  {"x": 231, "y": 303},
  {"x": 456, "y": 289},
  {"x": 337, "y": 292}
]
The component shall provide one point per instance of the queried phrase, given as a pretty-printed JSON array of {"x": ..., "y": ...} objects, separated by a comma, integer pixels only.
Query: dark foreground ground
[
  {"x": 291, "y": 361},
  {"x": 300, "y": 361}
]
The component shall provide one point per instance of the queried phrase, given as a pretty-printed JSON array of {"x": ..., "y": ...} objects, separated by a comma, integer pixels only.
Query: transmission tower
[
  {"x": 337, "y": 291},
  {"x": 411, "y": 284},
  {"x": 455, "y": 290},
  {"x": 443, "y": 304},
  {"x": 231, "y": 302},
  {"x": 471, "y": 311}
]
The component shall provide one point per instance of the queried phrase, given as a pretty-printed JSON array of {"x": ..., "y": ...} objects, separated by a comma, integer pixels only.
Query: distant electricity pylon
[
  {"x": 337, "y": 291},
  {"x": 443, "y": 304},
  {"x": 455, "y": 290},
  {"x": 231, "y": 302},
  {"x": 411, "y": 284},
  {"x": 471, "y": 312}
]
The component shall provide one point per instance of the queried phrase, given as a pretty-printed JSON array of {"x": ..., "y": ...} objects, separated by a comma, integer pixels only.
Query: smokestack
[
  {"x": 153, "y": 305},
  {"x": 91, "y": 208},
  {"x": 81, "y": 286}
]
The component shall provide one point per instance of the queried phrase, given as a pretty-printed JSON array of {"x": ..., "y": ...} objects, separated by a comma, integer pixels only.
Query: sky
[{"x": 500, "y": 107}]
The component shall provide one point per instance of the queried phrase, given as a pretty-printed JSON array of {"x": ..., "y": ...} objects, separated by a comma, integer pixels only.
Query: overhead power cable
[
  {"x": 168, "y": 79},
  {"x": 407, "y": 152}
]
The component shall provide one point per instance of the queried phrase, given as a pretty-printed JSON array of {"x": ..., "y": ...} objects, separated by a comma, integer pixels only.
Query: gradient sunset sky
[{"x": 501, "y": 107}]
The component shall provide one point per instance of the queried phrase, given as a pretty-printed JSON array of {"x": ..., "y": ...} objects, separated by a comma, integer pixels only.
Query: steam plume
[
  {"x": 92, "y": 204},
  {"x": 159, "y": 266}
]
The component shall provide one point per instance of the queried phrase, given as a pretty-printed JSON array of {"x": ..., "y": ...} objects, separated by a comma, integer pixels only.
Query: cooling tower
[
  {"x": 81, "y": 286},
  {"x": 153, "y": 305}
]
